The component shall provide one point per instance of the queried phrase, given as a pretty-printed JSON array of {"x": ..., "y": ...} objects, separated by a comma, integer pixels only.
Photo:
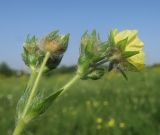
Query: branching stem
[
  {"x": 21, "y": 123},
  {"x": 99, "y": 63},
  {"x": 33, "y": 84}
]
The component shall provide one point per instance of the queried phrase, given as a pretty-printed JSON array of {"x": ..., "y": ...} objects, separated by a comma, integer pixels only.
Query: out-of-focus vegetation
[
  {"x": 7, "y": 71},
  {"x": 109, "y": 106}
]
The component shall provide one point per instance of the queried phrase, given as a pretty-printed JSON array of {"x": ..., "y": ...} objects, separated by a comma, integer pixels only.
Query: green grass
[{"x": 135, "y": 103}]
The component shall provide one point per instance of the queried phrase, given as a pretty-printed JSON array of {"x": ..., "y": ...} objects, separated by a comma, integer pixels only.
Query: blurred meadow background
[{"x": 109, "y": 106}]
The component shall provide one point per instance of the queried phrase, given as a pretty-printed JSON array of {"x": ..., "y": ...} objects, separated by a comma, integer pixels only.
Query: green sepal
[
  {"x": 110, "y": 66},
  {"x": 127, "y": 66},
  {"x": 52, "y": 35},
  {"x": 64, "y": 41},
  {"x": 96, "y": 74},
  {"x": 122, "y": 44},
  {"x": 111, "y": 37},
  {"x": 102, "y": 49},
  {"x": 53, "y": 62},
  {"x": 83, "y": 65},
  {"x": 84, "y": 39},
  {"x": 128, "y": 54},
  {"x": 31, "y": 41},
  {"x": 122, "y": 72}
]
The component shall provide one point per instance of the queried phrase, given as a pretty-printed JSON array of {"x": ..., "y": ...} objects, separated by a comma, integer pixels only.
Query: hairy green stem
[
  {"x": 70, "y": 83},
  {"x": 33, "y": 90},
  {"x": 100, "y": 62},
  {"x": 20, "y": 125},
  {"x": 31, "y": 79}
]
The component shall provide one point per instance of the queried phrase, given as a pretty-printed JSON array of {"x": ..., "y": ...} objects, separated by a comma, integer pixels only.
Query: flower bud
[
  {"x": 56, "y": 45},
  {"x": 32, "y": 55},
  {"x": 92, "y": 50}
]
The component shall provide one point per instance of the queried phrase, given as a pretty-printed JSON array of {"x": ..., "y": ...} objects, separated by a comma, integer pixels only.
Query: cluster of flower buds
[
  {"x": 123, "y": 51},
  {"x": 40, "y": 56},
  {"x": 35, "y": 51}
]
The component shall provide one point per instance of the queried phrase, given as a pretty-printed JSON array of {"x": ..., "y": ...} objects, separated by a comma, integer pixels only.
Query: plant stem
[
  {"x": 21, "y": 124},
  {"x": 33, "y": 91},
  {"x": 31, "y": 79},
  {"x": 100, "y": 63},
  {"x": 70, "y": 83}
]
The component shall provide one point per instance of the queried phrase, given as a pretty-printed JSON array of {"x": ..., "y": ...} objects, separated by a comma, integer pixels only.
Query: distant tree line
[
  {"x": 62, "y": 70},
  {"x": 6, "y": 70}
]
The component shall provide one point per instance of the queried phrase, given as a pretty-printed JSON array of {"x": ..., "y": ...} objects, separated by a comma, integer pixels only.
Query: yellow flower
[
  {"x": 111, "y": 123},
  {"x": 126, "y": 50},
  {"x": 137, "y": 60},
  {"x": 99, "y": 120},
  {"x": 122, "y": 125},
  {"x": 95, "y": 104},
  {"x": 99, "y": 127}
]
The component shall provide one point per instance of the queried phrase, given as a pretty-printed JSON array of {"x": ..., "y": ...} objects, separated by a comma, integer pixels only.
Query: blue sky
[{"x": 38, "y": 17}]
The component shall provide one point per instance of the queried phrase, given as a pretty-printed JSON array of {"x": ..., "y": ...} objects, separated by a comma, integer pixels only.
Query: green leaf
[
  {"x": 128, "y": 54},
  {"x": 43, "y": 106},
  {"x": 39, "y": 105}
]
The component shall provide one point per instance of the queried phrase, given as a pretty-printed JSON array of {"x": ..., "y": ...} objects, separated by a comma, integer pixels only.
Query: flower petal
[
  {"x": 135, "y": 45},
  {"x": 137, "y": 60},
  {"x": 124, "y": 34}
]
